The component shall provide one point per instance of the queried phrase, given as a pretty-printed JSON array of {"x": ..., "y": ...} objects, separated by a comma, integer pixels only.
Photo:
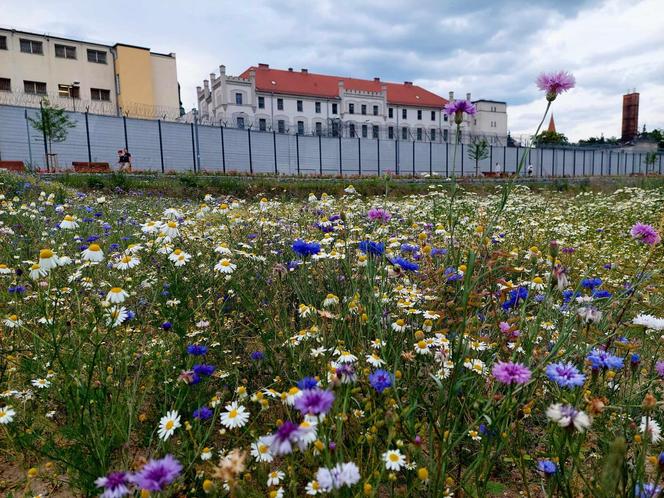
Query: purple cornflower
[
  {"x": 346, "y": 373},
  {"x": 604, "y": 359},
  {"x": 166, "y": 325},
  {"x": 156, "y": 474},
  {"x": 511, "y": 373},
  {"x": 646, "y": 490},
  {"x": 257, "y": 355},
  {"x": 202, "y": 413},
  {"x": 659, "y": 368},
  {"x": 115, "y": 485},
  {"x": 379, "y": 214},
  {"x": 555, "y": 83},
  {"x": 281, "y": 442},
  {"x": 646, "y": 234},
  {"x": 547, "y": 466},
  {"x": 197, "y": 349},
  {"x": 381, "y": 380},
  {"x": 456, "y": 108},
  {"x": 565, "y": 374},
  {"x": 314, "y": 401}
]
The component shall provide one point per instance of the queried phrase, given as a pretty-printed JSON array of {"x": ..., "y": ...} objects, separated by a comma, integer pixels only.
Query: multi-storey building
[
  {"x": 78, "y": 75},
  {"x": 288, "y": 101}
]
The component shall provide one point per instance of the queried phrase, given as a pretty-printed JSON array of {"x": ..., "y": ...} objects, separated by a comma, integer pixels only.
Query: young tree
[
  {"x": 477, "y": 151},
  {"x": 53, "y": 123}
]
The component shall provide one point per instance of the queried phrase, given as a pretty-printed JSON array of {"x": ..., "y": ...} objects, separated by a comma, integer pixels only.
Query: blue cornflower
[
  {"x": 601, "y": 294},
  {"x": 547, "y": 466},
  {"x": 565, "y": 374},
  {"x": 568, "y": 295},
  {"x": 92, "y": 238},
  {"x": 167, "y": 325},
  {"x": 257, "y": 355},
  {"x": 18, "y": 289},
  {"x": 515, "y": 295},
  {"x": 409, "y": 248},
  {"x": 591, "y": 283},
  {"x": 369, "y": 247},
  {"x": 305, "y": 248},
  {"x": 604, "y": 359},
  {"x": 197, "y": 349},
  {"x": 647, "y": 490},
  {"x": 437, "y": 251},
  {"x": 405, "y": 264},
  {"x": 202, "y": 413},
  {"x": 635, "y": 359},
  {"x": 114, "y": 247},
  {"x": 203, "y": 369},
  {"x": 381, "y": 380},
  {"x": 307, "y": 383},
  {"x": 452, "y": 275}
]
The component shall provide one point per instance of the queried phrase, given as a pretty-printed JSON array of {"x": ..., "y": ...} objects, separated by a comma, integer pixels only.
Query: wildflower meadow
[{"x": 452, "y": 343}]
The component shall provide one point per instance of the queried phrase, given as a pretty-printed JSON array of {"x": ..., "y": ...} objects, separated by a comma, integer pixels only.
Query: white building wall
[{"x": 490, "y": 121}]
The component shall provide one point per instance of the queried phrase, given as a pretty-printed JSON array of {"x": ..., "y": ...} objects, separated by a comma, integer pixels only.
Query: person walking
[
  {"x": 530, "y": 170},
  {"x": 124, "y": 160}
]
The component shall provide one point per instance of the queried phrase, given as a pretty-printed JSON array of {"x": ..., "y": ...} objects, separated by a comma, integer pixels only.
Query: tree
[
  {"x": 551, "y": 138},
  {"x": 651, "y": 159},
  {"x": 477, "y": 151},
  {"x": 53, "y": 123}
]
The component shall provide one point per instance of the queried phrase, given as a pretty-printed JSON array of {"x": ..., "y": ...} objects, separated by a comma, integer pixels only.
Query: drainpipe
[{"x": 115, "y": 85}]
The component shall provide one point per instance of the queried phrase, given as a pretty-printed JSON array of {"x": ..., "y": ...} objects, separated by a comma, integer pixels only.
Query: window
[
  {"x": 262, "y": 124},
  {"x": 445, "y": 117},
  {"x": 365, "y": 133},
  {"x": 374, "y": 131},
  {"x": 351, "y": 108},
  {"x": 433, "y": 115},
  {"x": 281, "y": 125},
  {"x": 419, "y": 114},
  {"x": 419, "y": 133},
  {"x": 240, "y": 122},
  {"x": 31, "y": 47},
  {"x": 280, "y": 105},
  {"x": 433, "y": 134},
  {"x": 335, "y": 129},
  {"x": 404, "y": 113},
  {"x": 390, "y": 112},
  {"x": 261, "y": 102},
  {"x": 300, "y": 127},
  {"x": 5, "y": 85},
  {"x": 69, "y": 91},
  {"x": 390, "y": 132},
  {"x": 351, "y": 130},
  {"x": 319, "y": 128},
  {"x": 445, "y": 135},
  {"x": 97, "y": 56},
  {"x": 65, "y": 51},
  {"x": 3, "y": 43},
  {"x": 404, "y": 133},
  {"x": 317, "y": 107},
  {"x": 375, "y": 110},
  {"x": 299, "y": 106},
  {"x": 34, "y": 87},
  {"x": 334, "y": 108},
  {"x": 238, "y": 98},
  {"x": 100, "y": 94},
  {"x": 364, "y": 108}
]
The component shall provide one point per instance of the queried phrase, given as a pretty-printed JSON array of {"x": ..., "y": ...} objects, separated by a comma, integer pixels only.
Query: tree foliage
[
  {"x": 478, "y": 150},
  {"x": 551, "y": 138},
  {"x": 53, "y": 122}
]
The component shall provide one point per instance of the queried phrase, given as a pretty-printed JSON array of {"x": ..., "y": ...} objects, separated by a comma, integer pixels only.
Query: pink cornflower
[
  {"x": 511, "y": 373},
  {"x": 555, "y": 83},
  {"x": 378, "y": 214},
  {"x": 646, "y": 234},
  {"x": 456, "y": 108},
  {"x": 659, "y": 368}
]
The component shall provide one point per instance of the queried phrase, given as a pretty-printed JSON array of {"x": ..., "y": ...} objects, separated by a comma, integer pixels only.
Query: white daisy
[
  {"x": 93, "y": 253},
  {"x": 260, "y": 450},
  {"x": 37, "y": 272},
  {"x": 225, "y": 266},
  {"x": 168, "y": 424},
  {"x": 275, "y": 477},
  {"x": 117, "y": 295},
  {"x": 47, "y": 259},
  {"x": 394, "y": 460},
  {"x": 6, "y": 415},
  {"x": 127, "y": 262},
  {"x": 235, "y": 415},
  {"x": 41, "y": 383},
  {"x": 651, "y": 427},
  {"x": 68, "y": 223}
]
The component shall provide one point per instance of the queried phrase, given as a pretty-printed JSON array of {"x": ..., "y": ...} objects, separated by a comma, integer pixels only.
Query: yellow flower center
[
  {"x": 538, "y": 280},
  {"x": 172, "y": 224},
  {"x": 126, "y": 259},
  {"x": 116, "y": 290},
  {"x": 13, "y": 318},
  {"x": 45, "y": 254},
  {"x": 69, "y": 218},
  {"x": 225, "y": 262},
  {"x": 36, "y": 266},
  {"x": 394, "y": 457},
  {"x": 169, "y": 425},
  {"x": 232, "y": 413},
  {"x": 262, "y": 448},
  {"x": 422, "y": 345},
  {"x": 400, "y": 322},
  {"x": 177, "y": 252},
  {"x": 94, "y": 248}
]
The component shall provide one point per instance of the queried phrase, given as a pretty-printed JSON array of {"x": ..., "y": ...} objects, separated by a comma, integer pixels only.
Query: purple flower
[
  {"x": 555, "y": 83},
  {"x": 646, "y": 234},
  {"x": 203, "y": 369},
  {"x": 197, "y": 349},
  {"x": 604, "y": 359},
  {"x": 646, "y": 490},
  {"x": 547, "y": 466},
  {"x": 281, "y": 442},
  {"x": 456, "y": 108},
  {"x": 115, "y": 485},
  {"x": 314, "y": 401},
  {"x": 202, "y": 413},
  {"x": 257, "y": 355},
  {"x": 565, "y": 374},
  {"x": 156, "y": 474},
  {"x": 381, "y": 380},
  {"x": 378, "y": 214},
  {"x": 511, "y": 373},
  {"x": 303, "y": 248},
  {"x": 166, "y": 325},
  {"x": 659, "y": 367}
]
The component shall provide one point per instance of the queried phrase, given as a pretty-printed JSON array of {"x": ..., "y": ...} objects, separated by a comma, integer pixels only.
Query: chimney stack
[
  {"x": 451, "y": 96},
  {"x": 376, "y": 79},
  {"x": 468, "y": 96},
  {"x": 304, "y": 70},
  {"x": 222, "y": 70},
  {"x": 290, "y": 69},
  {"x": 261, "y": 65}
]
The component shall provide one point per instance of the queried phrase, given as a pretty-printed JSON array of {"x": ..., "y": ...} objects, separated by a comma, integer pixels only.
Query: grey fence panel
[
  {"x": 143, "y": 138},
  {"x": 330, "y": 155},
  {"x": 106, "y": 138},
  {"x": 370, "y": 157},
  {"x": 262, "y": 151},
  {"x": 388, "y": 158},
  {"x": 286, "y": 154},
  {"x": 438, "y": 159},
  {"x": 309, "y": 155},
  {"x": 209, "y": 154},
  {"x": 350, "y": 150},
  {"x": 421, "y": 158},
  {"x": 178, "y": 153},
  {"x": 236, "y": 144},
  {"x": 14, "y": 143}
]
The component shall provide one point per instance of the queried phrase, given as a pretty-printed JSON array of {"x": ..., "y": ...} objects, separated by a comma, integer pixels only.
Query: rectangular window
[
  {"x": 319, "y": 128},
  {"x": 334, "y": 108},
  {"x": 444, "y": 135},
  {"x": 433, "y": 134},
  {"x": 390, "y": 132},
  {"x": 300, "y": 127},
  {"x": 69, "y": 91},
  {"x": 97, "y": 56},
  {"x": 335, "y": 129},
  {"x": 390, "y": 112},
  {"x": 3, "y": 43},
  {"x": 364, "y": 108},
  {"x": 365, "y": 130},
  {"x": 280, "y": 105},
  {"x": 419, "y": 114},
  {"x": 300, "y": 106},
  {"x": 404, "y": 113},
  {"x": 351, "y": 108},
  {"x": 374, "y": 131},
  {"x": 240, "y": 122},
  {"x": 31, "y": 47},
  {"x": 375, "y": 110},
  {"x": 281, "y": 126},
  {"x": 238, "y": 98},
  {"x": 419, "y": 133},
  {"x": 317, "y": 106},
  {"x": 65, "y": 51},
  {"x": 445, "y": 117},
  {"x": 351, "y": 130},
  {"x": 100, "y": 94},
  {"x": 261, "y": 102},
  {"x": 5, "y": 85},
  {"x": 433, "y": 115},
  {"x": 34, "y": 87},
  {"x": 404, "y": 133},
  {"x": 262, "y": 124}
]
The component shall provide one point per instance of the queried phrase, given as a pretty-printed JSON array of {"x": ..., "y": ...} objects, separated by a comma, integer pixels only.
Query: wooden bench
[
  {"x": 12, "y": 165},
  {"x": 85, "y": 167},
  {"x": 491, "y": 174}
]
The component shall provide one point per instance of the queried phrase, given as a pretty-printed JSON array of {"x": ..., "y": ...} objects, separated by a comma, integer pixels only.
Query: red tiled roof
[{"x": 324, "y": 86}]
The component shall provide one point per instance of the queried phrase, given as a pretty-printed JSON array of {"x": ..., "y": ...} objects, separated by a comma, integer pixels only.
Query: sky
[{"x": 492, "y": 49}]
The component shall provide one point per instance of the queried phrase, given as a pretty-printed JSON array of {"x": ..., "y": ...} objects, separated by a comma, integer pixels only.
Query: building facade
[
  {"x": 79, "y": 75},
  {"x": 288, "y": 101}
]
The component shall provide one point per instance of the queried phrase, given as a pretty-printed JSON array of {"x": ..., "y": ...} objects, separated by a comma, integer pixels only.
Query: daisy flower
[
  {"x": 168, "y": 424},
  {"x": 117, "y": 295},
  {"x": 260, "y": 450},
  {"x": 68, "y": 223},
  {"x": 6, "y": 415},
  {"x": 568, "y": 417},
  {"x": 116, "y": 315},
  {"x": 225, "y": 266},
  {"x": 4, "y": 269},
  {"x": 179, "y": 257},
  {"x": 399, "y": 325},
  {"x": 127, "y": 262},
  {"x": 12, "y": 321},
  {"x": 330, "y": 300},
  {"x": 41, "y": 383},
  {"x": 651, "y": 427},
  {"x": 170, "y": 229},
  {"x": 235, "y": 416},
  {"x": 93, "y": 253},
  {"x": 275, "y": 477},
  {"x": 47, "y": 259},
  {"x": 394, "y": 460},
  {"x": 37, "y": 272}
]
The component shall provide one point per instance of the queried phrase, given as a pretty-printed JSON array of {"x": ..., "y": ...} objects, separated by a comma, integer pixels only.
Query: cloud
[{"x": 492, "y": 49}]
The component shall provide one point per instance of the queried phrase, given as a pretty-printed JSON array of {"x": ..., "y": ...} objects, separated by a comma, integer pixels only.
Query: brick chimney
[{"x": 451, "y": 96}]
